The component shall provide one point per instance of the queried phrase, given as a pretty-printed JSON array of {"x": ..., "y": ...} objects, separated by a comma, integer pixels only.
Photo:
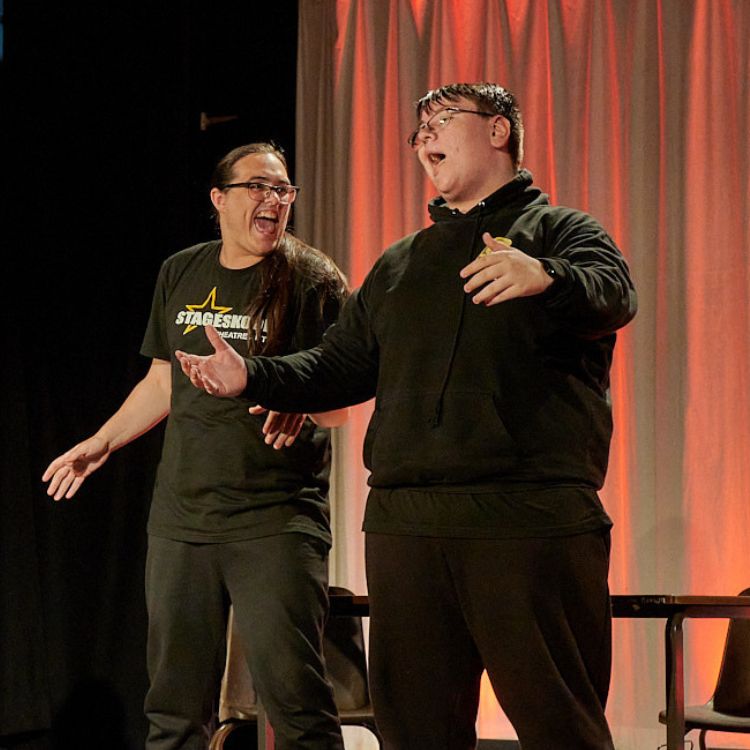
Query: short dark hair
[{"x": 490, "y": 98}]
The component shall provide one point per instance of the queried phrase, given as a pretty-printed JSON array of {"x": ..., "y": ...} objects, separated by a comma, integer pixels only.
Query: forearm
[
  {"x": 314, "y": 381},
  {"x": 334, "y": 418},
  {"x": 593, "y": 294},
  {"x": 592, "y": 300},
  {"x": 146, "y": 405}
]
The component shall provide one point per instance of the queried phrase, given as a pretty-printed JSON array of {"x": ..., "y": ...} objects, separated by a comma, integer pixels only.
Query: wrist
[
  {"x": 102, "y": 439},
  {"x": 550, "y": 277}
]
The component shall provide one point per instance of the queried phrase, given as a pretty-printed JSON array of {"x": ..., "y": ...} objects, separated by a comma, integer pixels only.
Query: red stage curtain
[{"x": 638, "y": 112}]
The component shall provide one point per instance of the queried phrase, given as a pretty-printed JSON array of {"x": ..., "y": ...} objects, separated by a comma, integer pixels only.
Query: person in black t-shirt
[{"x": 239, "y": 512}]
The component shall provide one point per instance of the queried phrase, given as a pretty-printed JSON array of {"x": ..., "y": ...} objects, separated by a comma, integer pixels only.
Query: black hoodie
[{"x": 472, "y": 398}]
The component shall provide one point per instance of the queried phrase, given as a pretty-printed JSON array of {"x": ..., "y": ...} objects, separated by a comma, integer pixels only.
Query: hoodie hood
[{"x": 518, "y": 191}]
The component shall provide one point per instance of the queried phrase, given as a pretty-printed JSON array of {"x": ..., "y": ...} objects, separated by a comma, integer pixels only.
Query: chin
[{"x": 265, "y": 246}]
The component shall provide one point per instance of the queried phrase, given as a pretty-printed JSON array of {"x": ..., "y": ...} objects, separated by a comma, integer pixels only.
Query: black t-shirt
[{"x": 217, "y": 480}]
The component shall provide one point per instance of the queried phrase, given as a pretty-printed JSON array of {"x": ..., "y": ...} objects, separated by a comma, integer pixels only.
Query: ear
[
  {"x": 500, "y": 132},
  {"x": 217, "y": 198}
]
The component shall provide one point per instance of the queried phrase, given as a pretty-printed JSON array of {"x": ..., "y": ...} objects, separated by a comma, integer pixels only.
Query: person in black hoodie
[{"x": 487, "y": 340}]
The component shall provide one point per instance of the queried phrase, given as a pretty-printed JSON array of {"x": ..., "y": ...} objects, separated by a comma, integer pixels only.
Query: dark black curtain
[{"x": 105, "y": 171}]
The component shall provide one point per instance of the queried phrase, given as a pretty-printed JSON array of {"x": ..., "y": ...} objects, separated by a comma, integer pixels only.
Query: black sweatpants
[
  {"x": 278, "y": 587},
  {"x": 535, "y": 613}
]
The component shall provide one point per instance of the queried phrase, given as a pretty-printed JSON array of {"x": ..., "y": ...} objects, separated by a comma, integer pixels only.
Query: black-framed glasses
[
  {"x": 438, "y": 121},
  {"x": 259, "y": 191}
]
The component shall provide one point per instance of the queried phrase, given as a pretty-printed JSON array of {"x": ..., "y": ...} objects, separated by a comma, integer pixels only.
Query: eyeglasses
[
  {"x": 437, "y": 122},
  {"x": 259, "y": 191}
]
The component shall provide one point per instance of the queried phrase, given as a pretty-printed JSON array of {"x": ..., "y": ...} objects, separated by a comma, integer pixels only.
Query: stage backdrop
[{"x": 638, "y": 112}]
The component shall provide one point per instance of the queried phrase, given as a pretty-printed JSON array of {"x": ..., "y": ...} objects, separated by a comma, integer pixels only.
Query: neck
[
  {"x": 234, "y": 257},
  {"x": 488, "y": 187}
]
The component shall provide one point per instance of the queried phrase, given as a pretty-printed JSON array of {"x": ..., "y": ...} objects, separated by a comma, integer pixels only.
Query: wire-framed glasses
[
  {"x": 437, "y": 122},
  {"x": 259, "y": 191}
]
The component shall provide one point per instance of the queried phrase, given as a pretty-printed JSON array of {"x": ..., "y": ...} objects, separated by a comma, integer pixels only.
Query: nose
[
  {"x": 426, "y": 134},
  {"x": 271, "y": 194}
]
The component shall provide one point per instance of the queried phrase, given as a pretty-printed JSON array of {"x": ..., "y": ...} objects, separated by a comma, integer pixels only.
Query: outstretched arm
[
  {"x": 146, "y": 405},
  {"x": 341, "y": 371}
]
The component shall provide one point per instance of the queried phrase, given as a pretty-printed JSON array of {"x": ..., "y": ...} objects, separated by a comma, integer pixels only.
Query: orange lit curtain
[{"x": 638, "y": 112}]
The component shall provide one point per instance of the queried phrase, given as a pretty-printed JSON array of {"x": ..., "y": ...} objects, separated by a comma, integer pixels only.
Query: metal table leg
[{"x": 675, "y": 682}]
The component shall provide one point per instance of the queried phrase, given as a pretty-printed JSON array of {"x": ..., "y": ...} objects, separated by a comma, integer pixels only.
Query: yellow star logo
[{"x": 210, "y": 304}]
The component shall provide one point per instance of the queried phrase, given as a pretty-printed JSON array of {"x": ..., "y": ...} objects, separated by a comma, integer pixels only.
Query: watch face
[{"x": 549, "y": 270}]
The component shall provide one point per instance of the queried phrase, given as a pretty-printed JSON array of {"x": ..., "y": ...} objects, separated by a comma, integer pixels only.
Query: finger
[
  {"x": 294, "y": 424},
  {"x": 488, "y": 292},
  {"x": 295, "y": 428},
  {"x": 280, "y": 441},
  {"x": 65, "y": 460},
  {"x": 485, "y": 276},
  {"x": 212, "y": 386},
  {"x": 289, "y": 435},
  {"x": 49, "y": 472},
  {"x": 195, "y": 377},
  {"x": 491, "y": 269},
  {"x": 292, "y": 434},
  {"x": 496, "y": 243},
  {"x": 64, "y": 485},
  {"x": 286, "y": 423},
  {"x": 215, "y": 340},
  {"x": 284, "y": 440},
  {"x": 491, "y": 290},
  {"x": 493, "y": 294},
  {"x": 476, "y": 265},
  {"x": 484, "y": 261},
  {"x": 55, "y": 483},
  {"x": 200, "y": 379},
  {"x": 257, "y": 409},
  {"x": 77, "y": 482},
  {"x": 492, "y": 245},
  {"x": 512, "y": 292},
  {"x": 184, "y": 361},
  {"x": 271, "y": 423}
]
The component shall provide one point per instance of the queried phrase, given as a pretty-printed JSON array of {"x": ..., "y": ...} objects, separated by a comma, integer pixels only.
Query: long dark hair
[{"x": 293, "y": 262}]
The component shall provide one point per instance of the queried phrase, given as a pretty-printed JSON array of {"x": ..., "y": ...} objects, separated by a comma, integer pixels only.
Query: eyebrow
[
  {"x": 266, "y": 178},
  {"x": 436, "y": 112}
]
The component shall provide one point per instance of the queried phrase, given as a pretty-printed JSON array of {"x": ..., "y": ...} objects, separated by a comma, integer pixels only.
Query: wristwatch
[{"x": 549, "y": 270}]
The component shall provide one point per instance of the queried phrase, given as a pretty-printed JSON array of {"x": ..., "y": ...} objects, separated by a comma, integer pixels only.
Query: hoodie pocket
[{"x": 406, "y": 445}]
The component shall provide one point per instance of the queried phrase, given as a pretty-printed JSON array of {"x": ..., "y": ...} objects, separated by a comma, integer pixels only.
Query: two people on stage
[{"x": 486, "y": 340}]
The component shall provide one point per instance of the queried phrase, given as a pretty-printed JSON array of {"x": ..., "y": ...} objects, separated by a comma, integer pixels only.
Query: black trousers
[
  {"x": 278, "y": 587},
  {"x": 535, "y": 613}
]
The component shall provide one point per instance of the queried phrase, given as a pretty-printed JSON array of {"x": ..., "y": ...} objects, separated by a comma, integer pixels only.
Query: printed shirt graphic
[
  {"x": 218, "y": 480},
  {"x": 229, "y": 325}
]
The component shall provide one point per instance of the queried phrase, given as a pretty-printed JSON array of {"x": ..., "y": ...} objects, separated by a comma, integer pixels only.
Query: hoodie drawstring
[{"x": 437, "y": 415}]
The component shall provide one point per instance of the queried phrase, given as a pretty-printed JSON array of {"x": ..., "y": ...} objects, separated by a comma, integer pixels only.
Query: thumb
[{"x": 215, "y": 340}]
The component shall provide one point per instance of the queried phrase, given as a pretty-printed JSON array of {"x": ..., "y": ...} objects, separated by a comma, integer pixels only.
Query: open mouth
[
  {"x": 436, "y": 158},
  {"x": 266, "y": 223}
]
